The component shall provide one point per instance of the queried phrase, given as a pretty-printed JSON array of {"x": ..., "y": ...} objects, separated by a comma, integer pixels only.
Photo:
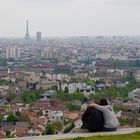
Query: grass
[{"x": 133, "y": 136}]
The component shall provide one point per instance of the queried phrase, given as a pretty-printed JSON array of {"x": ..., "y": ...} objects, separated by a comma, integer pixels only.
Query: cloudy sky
[{"x": 70, "y": 17}]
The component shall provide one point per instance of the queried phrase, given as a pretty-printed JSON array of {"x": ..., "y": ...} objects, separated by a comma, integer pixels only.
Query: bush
[
  {"x": 68, "y": 129},
  {"x": 57, "y": 125},
  {"x": 8, "y": 133},
  {"x": 50, "y": 129},
  {"x": 124, "y": 121},
  {"x": 73, "y": 107}
]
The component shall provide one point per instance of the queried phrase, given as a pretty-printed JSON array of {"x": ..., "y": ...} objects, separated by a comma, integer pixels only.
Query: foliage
[
  {"x": 11, "y": 117},
  {"x": 4, "y": 82},
  {"x": 40, "y": 112},
  {"x": 105, "y": 93},
  {"x": 138, "y": 123},
  {"x": 118, "y": 108},
  {"x": 18, "y": 114},
  {"x": 31, "y": 96},
  {"x": 50, "y": 129},
  {"x": 74, "y": 79},
  {"x": 77, "y": 90},
  {"x": 66, "y": 90},
  {"x": 8, "y": 100},
  {"x": 30, "y": 110},
  {"x": 12, "y": 96},
  {"x": 89, "y": 82},
  {"x": 8, "y": 133},
  {"x": 73, "y": 107},
  {"x": 133, "y": 136},
  {"x": 66, "y": 121},
  {"x": 63, "y": 71},
  {"x": 126, "y": 99},
  {"x": 55, "y": 87},
  {"x": 57, "y": 125},
  {"x": 113, "y": 91},
  {"x": 69, "y": 128},
  {"x": 74, "y": 96},
  {"x": 124, "y": 121},
  {"x": 126, "y": 63}
]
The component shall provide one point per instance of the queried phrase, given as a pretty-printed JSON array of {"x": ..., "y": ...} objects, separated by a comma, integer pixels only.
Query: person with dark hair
[
  {"x": 110, "y": 121},
  {"x": 92, "y": 119},
  {"x": 103, "y": 102}
]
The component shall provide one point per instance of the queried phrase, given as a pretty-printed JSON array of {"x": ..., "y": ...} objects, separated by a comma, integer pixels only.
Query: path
[{"x": 73, "y": 135}]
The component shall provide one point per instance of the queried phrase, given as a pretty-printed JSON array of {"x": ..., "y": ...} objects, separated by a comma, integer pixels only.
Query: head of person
[{"x": 104, "y": 102}]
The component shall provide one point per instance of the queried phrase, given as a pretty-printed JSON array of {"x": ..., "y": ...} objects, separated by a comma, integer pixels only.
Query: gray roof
[{"x": 48, "y": 93}]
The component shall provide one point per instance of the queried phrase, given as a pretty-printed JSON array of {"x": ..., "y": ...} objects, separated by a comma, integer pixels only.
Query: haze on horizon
[{"x": 70, "y": 17}]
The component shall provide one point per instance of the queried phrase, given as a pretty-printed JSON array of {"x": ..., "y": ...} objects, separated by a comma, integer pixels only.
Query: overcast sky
[{"x": 70, "y": 17}]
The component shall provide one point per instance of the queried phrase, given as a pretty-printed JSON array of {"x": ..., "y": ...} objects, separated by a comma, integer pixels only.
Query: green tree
[
  {"x": 73, "y": 107},
  {"x": 18, "y": 114},
  {"x": 125, "y": 121},
  {"x": 74, "y": 96},
  {"x": 55, "y": 87},
  {"x": 63, "y": 71},
  {"x": 12, "y": 96},
  {"x": 31, "y": 96},
  {"x": 4, "y": 82},
  {"x": 89, "y": 82},
  {"x": 50, "y": 129},
  {"x": 57, "y": 125},
  {"x": 66, "y": 90},
  {"x": 77, "y": 90},
  {"x": 8, "y": 133},
  {"x": 11, "y": 117},
  {"x": 69, "y": 128}
]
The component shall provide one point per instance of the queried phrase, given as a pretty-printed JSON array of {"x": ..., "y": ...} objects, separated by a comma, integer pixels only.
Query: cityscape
[{"x": 47, "y": 82}]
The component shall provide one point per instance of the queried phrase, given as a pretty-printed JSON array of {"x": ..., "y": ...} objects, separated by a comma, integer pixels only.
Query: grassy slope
[{"x": 134, "y": 136}]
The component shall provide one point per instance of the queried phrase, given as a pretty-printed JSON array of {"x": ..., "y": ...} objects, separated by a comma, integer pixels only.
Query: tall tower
[
  {"x": 27, "y": 36},
  {"x": 38, "y": 37}
]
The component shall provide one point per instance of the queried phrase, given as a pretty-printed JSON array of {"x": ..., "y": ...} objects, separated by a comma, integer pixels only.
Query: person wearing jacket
[
  {"x": 92, "y": 119},
  {"x": 110, "y": 121}
]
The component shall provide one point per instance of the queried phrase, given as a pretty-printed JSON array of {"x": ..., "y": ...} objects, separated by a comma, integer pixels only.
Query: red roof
[
  {"x": 2, "y": 136},
  {"x": 31, "y": 114},
  {"x": 40, "y": 121}
]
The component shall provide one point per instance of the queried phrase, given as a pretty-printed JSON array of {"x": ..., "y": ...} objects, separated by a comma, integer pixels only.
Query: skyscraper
[
  {"x": 13, "y": 52},
  {"x": 38, "y": 37},
  {"x": 27, "y": 36}
]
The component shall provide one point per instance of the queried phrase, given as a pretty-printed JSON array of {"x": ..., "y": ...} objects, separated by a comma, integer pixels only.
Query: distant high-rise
[
  {"x": 27, "y": 36},
  {"x": 13, "y": 52},
  {"x": 38, "y": 37}
]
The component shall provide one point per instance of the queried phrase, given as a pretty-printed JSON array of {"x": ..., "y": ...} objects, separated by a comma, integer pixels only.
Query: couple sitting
[{"x": 100, "y": 117}]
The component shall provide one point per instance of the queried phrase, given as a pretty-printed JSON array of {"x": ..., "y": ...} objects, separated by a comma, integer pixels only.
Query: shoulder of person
[{"x": 109, "y": 107}]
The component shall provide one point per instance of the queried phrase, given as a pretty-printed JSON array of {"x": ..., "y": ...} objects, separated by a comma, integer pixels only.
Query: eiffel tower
[{"x": 27, "y": 36}]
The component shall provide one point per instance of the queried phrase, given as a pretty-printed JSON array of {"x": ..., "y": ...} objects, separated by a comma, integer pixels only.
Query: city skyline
[{"x": 70, "y": 17}]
